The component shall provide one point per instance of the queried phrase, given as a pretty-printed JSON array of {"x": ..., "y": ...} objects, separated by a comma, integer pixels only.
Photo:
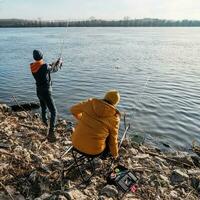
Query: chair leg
[{"x": 79, "y": 161}]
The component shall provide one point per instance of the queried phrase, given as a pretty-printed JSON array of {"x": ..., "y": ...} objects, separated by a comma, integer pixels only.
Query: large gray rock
[
  {"x": 178, "y": 176},
  {"x": 109, "y": 191},
  {"x": 4, "y": 108}
]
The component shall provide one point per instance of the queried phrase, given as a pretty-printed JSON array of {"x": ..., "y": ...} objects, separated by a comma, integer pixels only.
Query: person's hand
[{"x": 59, "y": 63}]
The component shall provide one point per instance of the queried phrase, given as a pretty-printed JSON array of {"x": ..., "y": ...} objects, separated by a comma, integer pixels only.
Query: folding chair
[{"x": 82, "y": 162}]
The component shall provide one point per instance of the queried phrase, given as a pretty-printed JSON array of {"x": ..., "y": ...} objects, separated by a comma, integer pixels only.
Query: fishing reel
[{"x": 57, "y": 64}]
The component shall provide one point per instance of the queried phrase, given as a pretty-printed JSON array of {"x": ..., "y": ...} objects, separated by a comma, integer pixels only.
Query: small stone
[
  {"x": 36, "y": 115},
  {"x": 61, "y": 197},
  {"x": 160, "y": 160},
  {"x": 109, "y": 191},
  {"x": 67, "y": 142},
  {"x": 133, "y": 151},
  {"x": 126, "y": 143},
  {"x": 98, "y": 163},
  {"x": 195, "y": 172},
  {"x": 102, "y": 198},
  {"x": 142, "y": 156},
  {"x": 76, "y": 194},
  {"x": 36, "y": 158},
  {"x": 22, "y": 114},
  {"x": 122, "y": 151},
  {"x": 164, "y": 179},
  {"x": 63, "y": 122},
  {"x": 174, "y": 194},
  {"x": 178, "y": 176},
  {"x": 43, "y": 196}
]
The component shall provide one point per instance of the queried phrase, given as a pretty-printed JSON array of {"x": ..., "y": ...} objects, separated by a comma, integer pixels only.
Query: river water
[{"x": 156, "y": 70}]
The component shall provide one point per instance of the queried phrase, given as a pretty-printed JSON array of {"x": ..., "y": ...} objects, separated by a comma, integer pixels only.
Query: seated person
[{"x": 98, "y": 125}]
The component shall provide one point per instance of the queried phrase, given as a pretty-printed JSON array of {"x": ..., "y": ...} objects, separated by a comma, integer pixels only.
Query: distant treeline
[{"x": 100, "y": 23}]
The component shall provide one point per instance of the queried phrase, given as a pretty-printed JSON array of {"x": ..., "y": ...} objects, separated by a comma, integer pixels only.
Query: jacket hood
[
  {"x": 103, "y": 109},
  {"x": 36, "y": 66}
]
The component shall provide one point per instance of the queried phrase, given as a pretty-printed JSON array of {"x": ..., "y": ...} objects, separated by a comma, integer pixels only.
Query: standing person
[
  {"x": 98, "y": 125},
  {"x": 41, "y": 72}
]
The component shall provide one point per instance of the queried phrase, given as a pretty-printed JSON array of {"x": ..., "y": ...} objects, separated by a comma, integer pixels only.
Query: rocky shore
[{"x": 30, "y": 167}]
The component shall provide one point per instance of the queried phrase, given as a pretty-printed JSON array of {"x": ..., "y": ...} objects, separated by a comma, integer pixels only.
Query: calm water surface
[{"x": 156, "y": 70}]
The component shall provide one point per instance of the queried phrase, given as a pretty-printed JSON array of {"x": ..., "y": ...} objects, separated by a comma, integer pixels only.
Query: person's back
[
  {"x": 98, "y": 124},
  {"x": 41, "y": 73}
]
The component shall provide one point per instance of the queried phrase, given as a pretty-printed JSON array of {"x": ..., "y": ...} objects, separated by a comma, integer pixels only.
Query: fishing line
[
  {"x": 138, "y": 100},
  {"x": 63, "y": 41}
]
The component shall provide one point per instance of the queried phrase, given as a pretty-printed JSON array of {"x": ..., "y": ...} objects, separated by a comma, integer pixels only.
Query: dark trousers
[{"x": 46, "y": 101}]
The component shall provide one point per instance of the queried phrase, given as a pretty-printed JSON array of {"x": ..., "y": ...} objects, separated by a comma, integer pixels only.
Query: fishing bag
[{"x": 123, "y": 178}]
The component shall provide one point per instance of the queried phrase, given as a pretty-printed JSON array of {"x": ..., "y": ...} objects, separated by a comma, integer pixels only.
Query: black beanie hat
[{"x": 37, "y": 55}]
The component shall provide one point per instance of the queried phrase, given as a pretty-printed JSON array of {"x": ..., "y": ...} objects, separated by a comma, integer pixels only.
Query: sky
[{"x": 99, "y": 9}]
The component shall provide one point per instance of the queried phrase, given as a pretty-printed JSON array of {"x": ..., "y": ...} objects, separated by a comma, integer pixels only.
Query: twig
[
  {"x": 3, "y": 186},
  {"x": 189, "y": 194}
]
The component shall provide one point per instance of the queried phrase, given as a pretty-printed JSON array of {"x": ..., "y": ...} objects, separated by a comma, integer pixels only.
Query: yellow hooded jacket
[{"x": 97, "y": 120}]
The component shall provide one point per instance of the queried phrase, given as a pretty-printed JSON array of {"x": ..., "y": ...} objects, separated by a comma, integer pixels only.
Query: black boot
[{"x": 51, "y": 136}]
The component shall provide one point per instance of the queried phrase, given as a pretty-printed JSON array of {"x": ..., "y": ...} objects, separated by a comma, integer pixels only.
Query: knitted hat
[
  {"x": 37, "y": 55},
  {"x": 112, "y": 97}
]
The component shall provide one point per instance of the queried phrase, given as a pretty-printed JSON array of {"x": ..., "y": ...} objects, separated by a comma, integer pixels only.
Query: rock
[
  {"x": 182, "y": 157},
  {"x": 122, "y": 151},
  {"x": 133, "y": 151},
  {"x": 67, "y": 143},
  {"x": 44, "y": 196},
  {"x": 61, "y": 197},
  {"x": 101, "y": 197},
  {"x": 195, "y": 182},
  {"x": 98, "y": 163},
  {"x": 174, "y": 194},
  {"x": 36, "y": 115},
  {"x": 4, "y": 108},
  {"x": 142, "y": 156},
  {"x": 178, "y": 176},
  {"x": 126, "y": 143},
  {"x": 4, "y": 196},
  {"x": 196, "y": 160},
  {"x": 109, "y": 191},
  {"x": 63, "y": 122},
  {"x": 195, "y": 172},
  {"x": 35, "y": 158},
  {"x": 22, "y": 114},
  {"x": 164, "y": 180},
  {"x": 160, "y": 160},
  {"x": 76, "y": 194}
]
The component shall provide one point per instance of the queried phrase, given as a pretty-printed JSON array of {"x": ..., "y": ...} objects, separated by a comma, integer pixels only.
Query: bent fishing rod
[{"x": 58, "y": 63}]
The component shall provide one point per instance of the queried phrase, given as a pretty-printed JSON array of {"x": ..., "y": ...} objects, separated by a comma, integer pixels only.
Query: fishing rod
[{"x": 58, "y": 63}]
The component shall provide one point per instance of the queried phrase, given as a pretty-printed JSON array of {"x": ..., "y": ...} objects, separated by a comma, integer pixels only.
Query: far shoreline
[{"x": 92, "y": 22}]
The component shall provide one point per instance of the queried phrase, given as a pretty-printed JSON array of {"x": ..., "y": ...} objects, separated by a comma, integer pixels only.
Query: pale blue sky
[{"x": 104, "y": 9}]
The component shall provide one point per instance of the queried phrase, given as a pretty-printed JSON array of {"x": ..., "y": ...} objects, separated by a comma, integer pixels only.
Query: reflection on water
[{"x": 156, "y": 71}]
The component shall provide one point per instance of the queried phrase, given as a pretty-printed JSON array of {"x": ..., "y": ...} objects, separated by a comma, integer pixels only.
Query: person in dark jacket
[{"x": 42, "y": 73}]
